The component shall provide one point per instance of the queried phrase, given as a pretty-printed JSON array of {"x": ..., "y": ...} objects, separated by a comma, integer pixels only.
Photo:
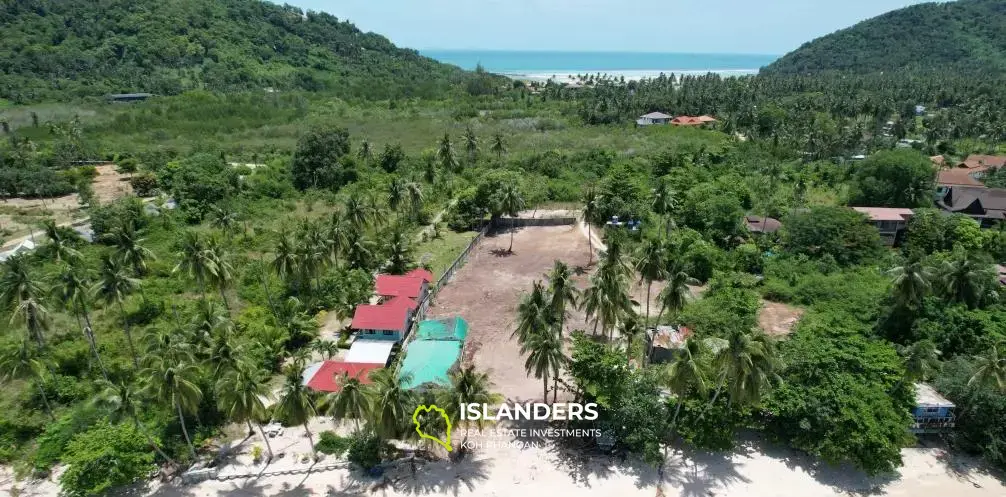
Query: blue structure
[{"x": 932, "y": 413}]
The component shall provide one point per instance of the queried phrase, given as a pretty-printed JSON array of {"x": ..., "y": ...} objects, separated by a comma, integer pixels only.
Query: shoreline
[{"x": 568, "y": 75}]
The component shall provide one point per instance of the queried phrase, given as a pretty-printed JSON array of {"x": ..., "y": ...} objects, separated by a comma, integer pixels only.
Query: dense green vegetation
[
  {"x": 64, "y": 49},
  {"x": 965, "y": 35}
]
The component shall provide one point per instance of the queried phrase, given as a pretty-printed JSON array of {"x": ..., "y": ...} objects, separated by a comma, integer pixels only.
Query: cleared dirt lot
[{"x": 488, "y": 288}]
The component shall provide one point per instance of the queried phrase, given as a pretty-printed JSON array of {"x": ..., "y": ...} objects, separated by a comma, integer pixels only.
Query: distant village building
[
  {"x": 692, "y": 121},
  {"x": 653, "y": 118},
  {"x": 122, "y": 98},
  {"x": 758, "y": 224},
  {"x": 890, "y": 222},
  {"x": 985, "y": 205},
  {"x": 932, "y": 413},
  {"x": 665, "y": 341}
]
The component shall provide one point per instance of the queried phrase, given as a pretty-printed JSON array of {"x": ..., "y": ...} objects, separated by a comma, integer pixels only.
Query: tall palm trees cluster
[
  {"x": 961, "y": 280},
  {"x": 541, "y": 317}
]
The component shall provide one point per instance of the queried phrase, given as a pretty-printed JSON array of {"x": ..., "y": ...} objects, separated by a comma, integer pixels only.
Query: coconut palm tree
[
  {"x": 965, "y": 280},
  {"x": 366, "y": 152},
  {"x": 177, "y": 385},
  {"x": 360, "y": 252},
  {"x": 391, "y": 403},
  {"x": 22, "y": 295},
  {"x": 358, "y": 213},
  {"x": 286, "y": 261},
  {"x": 676, "y": 294},
  {"x": 686, "y": 373},
  {"x": 534, "y": 314},
  {"x": 911, "y": 283},
  {"x": 922, "y": 360},
  {"x": 607, "y": 300},
  {"x": 338, "y": 232},
  {"x": 129, "y": 248},
  {"x": 61, "y": 242},
  {"x": 630, "y": 330},
  {"x": 445, "y": 154},
  {"x": 511, "y": 202},
  {"x": 498, "y": 146},
  {"x": 72, "y": 288},
  {"x": 241, "y": 395},
  {"x": 121, "y": 400},
  {"x": 350, "y": 402},
  {"x": 650, "y": 265},
  {"x": 471, "y": 144},
  {"x": 747, "y": 365},
  {"x": 990, "y": 368},
  {"x": 544, "y": 356},
  {"x": 468, "y": 386},
  {"x": 563, "y": 293},
  {"x": 296, "y": 402},
  {"x": 591, "y": 206},
  {"x": 113, "y": 286},
  {"x": 327, "y": 349},
  {"x": 399, "y": 253},
  {"x": 224, "y": 220},
  {"x": 663, "y": 204},
  {"x": 21, "y": 361},
  {"x": 414, "y": 192},
  {"x": 194, "y": 261},
  {"x": 396, "y": 193},
  {"x": 220, "y": 273},
  {"x": 222, "y": 353}
]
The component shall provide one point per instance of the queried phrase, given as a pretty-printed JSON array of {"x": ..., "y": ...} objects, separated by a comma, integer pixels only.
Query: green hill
[
  {"x": 968, "y": 35},
  {"x": 55, "y": 49}
]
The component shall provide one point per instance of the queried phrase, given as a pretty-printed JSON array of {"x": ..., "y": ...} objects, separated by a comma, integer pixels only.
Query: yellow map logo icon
[{"x": 415, "y": 420}]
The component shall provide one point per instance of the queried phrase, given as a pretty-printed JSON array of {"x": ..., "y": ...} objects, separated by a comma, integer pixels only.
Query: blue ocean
[{"x": 546, "y": 64}]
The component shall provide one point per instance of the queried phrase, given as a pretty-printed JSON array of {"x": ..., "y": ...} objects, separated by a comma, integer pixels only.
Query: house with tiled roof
[
  {"x": 653, "y": 118},
  {"x": 983, "y": 162},
  {"x": 985, "y": 205},
  {"x": 889, "y": 221}
]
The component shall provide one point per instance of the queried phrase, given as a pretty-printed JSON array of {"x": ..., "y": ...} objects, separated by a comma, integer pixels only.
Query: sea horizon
[{"x": 564, "y": 66}]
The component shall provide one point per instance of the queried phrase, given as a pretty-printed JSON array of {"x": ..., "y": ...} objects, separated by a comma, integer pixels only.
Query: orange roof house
[
  {"x": 983, "y": 162},
  {"x": 957, "y": 177},
  {"x": 686, "y": 121}
]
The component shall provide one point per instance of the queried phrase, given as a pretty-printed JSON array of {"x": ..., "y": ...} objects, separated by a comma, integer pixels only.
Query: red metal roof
[
  {"x": 686, "y": 121},
  {"x": 410, "y": 304},
  {"x": 885, "y": 213},
  {"x": 420, "y": 273},
  {"x": 380, "y": 317},
  {"x": 398, "y": 286},
  {"x": 328, "y": 376},
  {"x": 960, "y": 177}
]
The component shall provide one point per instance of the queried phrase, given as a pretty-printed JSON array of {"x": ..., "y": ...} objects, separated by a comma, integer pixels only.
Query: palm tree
[
  {"x": 607, "y": 300},
  {"x": 650, "y": 266},
  {"x": 296, "y": 403},
  {"x": 23, "y": 297},
  {"x": 175, "y": 384},
  {"x": 544, "y": 356},
  {"x": 220, "y": 273},
  {"x": 686, "y": 373},
  {"x": 663, "y": 204},
  {"x": 61, "y": 242},
  {"x": 366, "y": 152},
  {"x": 357, "y": 213},
  {"x": 747, "y": 365},
  {"x": 498, "y": 146},
  {"x": 286, "y": 260},
  {"x": 468, "y": 386},
  {"x": 120, "y": 400},
  {"x": 73, "y": 289},
  {"x": 224, "y": 220},
  {"x": 360, "y": 251},
  {"x": 396, "y": 193},
  {"x": 910, "y": 283},
  {"x": 990, "y": 368},
  {"x": 511, "y": 202},
  {"x": 563, "y": 293},
  {"x": 630, "y": 330},
  {"x": 414, "y": 192},
  {"x": 965, "y": 280},
  {"x": 221, "y": 353},
  {"x": 922, "y": 360},
  {"x": 350, "y": 402},
  {"x": 113, "y": 286},
  {"x": 399, "y": 253},
  {"x": 471, "y": 144},
  {"x": 129, "y": 248},
  {"x": 327, "y": 349},
  {"x": 18, "y": 361},
  {"x": 445, "y": 153},
  {"x": 390, "y": 402},
  {"x": 240, "y": 396},
  {"x": 534, "y": 314},
  {"x": 338, "y": 240},
  {"x": 194, "y": 261},
  {"x": 590, "y": 210},
  {"x": 676, "y": 294}
]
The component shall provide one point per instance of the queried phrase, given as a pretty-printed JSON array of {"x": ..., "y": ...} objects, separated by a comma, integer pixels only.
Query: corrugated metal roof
[
  {"x": 380, "y": 317},
  {"x": 328, "y": 376},
  {"x": 885, "y": 213},
  {"x": 369, "y": 352},
  {"x": 398, "y": 286}
]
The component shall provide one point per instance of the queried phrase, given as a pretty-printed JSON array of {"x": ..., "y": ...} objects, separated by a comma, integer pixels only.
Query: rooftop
[
  {"x": 430, "y": 361},
  {"x": 927, "y": 396},
  {"x": 380, "y": 317},
  {"x": 398, "y": 286},
  {"x": 329, "y": 375},
  {"x": 982, "y": 162},
  {"x": 655, "y": 115},
  {"x": 421, "y": 273},
  {"x": 885, "y": 213},
  {"x": 670, "y": 337},
  {"x": 443, "y": 329},
  {"x": 370, "y": 352},
  {"x": 757, "y": 224},
  {"x": 957, "y": 177}
]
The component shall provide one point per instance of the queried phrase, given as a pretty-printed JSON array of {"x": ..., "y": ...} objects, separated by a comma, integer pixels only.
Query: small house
[
  {"x": 125, "y": 98},
  {"x": 932, "y": 413},
  {"x": 890, "y": 222},
  {"x": 985, "y": 205},
  {"x": 758, "y": 224},
  {"x": 370, "y": 352},
  {"x": 414, "y": 287},
  {"x": 664, "y": 342},
  {"x": 382, "y": 322},
  {"x": 653, "y": 118},
  {"x": 329, "y": 376}
]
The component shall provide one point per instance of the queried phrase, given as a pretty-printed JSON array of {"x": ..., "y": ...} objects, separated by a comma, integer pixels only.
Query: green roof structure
[
  {"x": 443, "y": 329},
  {"x": 430, "y": 361}
]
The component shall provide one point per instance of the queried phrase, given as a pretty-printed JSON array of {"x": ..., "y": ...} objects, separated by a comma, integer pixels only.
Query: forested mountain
[
  {"x": 75, "y": 48},
  {"x": 968, "y": 35}
]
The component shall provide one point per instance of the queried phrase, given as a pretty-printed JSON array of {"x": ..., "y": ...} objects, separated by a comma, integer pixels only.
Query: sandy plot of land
[
  {"x": 488, "y": 288},
  {"x": 778, "y": 319}
]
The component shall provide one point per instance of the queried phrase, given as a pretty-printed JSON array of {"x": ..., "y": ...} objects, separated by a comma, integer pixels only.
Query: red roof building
[
  {"x": 406, "y": 302},
  {"x": 328, "y": 377},
  {"x": 381, "y": 318},
  {"x": 686, "y": 121},
  {"x": 400, "y": 286},
  {"x": 983, "y": 162},
  {"x": 957, "y": 177},
  {"x": 421, "y": 273}
]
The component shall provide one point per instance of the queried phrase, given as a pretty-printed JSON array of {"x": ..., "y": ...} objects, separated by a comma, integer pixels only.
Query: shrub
[
  {"x": 332, "y": 444},
  {"x": 104, "y": 457},
  {"x": 365, "y": 450},
  {"x": 144, "y": 184}
]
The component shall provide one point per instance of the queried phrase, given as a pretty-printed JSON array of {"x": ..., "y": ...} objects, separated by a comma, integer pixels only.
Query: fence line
[{"x": 521, "y": 222}]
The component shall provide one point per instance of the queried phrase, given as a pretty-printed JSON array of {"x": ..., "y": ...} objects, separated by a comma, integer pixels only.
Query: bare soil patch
[
  {"x": 487, "y": 290},
  {"x": 778, "y": 319}
]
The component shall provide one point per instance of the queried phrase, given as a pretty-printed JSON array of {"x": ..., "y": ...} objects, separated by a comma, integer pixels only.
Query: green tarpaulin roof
[
  {"x": 443, "y": 329},
  {"x": 428, "y": 361}
]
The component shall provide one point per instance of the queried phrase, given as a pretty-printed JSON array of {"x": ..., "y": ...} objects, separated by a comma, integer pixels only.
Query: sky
[{"x": 771, "y": 27}]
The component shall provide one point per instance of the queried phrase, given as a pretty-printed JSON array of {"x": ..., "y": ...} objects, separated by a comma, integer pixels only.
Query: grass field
[{"x": 440, "y": 253}]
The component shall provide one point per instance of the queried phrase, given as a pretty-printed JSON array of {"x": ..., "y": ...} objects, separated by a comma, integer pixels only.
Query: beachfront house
[
  {"x": 890, "y": 222},
  {"x": 653, "y": 118},
  {"x": 382, "y": 322},
  {"x": 329, "y": 376},
  {"x": 932, "y": 413}
]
